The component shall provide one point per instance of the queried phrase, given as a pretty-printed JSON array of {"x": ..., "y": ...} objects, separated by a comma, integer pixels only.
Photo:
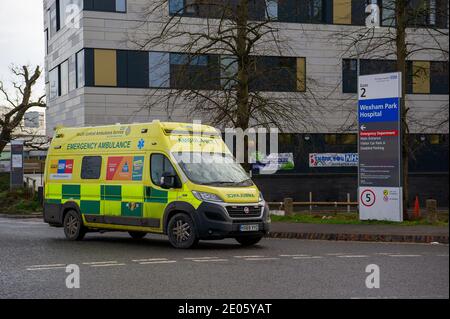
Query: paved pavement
[
  {"x": 33, "y": 258},
  {"x": 387, "y": 233}
]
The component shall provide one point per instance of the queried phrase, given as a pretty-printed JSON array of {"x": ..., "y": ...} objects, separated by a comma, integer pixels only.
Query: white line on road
[
  {"x": 209, "y": 260},
  {"x": 254, "y": 256},
  {"x": 197, "y": 258},
  {"x": 294, "y": 255},
  {"x": 100, "y": 262},
  {"x": 51, "y": 265},
  {"x": 46, "y": 268},
  {"x": 149, "y": 259},
  {"x": 157, "y": 262},
  {"x": 353, "y": 256},
  {"x": 442, "y": 255},
  {"x": 107, "y": 265},
  {"x": 405, "y": 255},
  {"x": 307, "y": 257},
  {"x": 261, "y": 258}
]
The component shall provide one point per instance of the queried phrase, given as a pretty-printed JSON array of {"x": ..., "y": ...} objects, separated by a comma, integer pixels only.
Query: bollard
[
  {"x": 288, "y": 206},
  {"x": 348, "y": 201},
  {"x": 431, "y": 205},
  {"x": 310, "y": 200},
  {"x": 33, "y": 191}
]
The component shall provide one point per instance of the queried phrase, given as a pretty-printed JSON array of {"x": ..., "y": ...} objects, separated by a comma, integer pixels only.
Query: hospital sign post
[{"x": 379, "y": 146}]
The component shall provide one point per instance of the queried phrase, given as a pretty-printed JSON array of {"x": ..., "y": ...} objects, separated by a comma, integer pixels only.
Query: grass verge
[
  {"x": 352, "y": 219},
  {"x": 16, "y": 202}
]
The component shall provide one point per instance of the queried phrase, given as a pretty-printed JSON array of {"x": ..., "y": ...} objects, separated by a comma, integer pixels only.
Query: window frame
[
  {"x": 82, "y": 176},
  {"x": 177, "y": 175}
]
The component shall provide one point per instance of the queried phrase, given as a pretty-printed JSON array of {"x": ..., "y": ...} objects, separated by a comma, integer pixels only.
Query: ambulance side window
[
  {"x": 91, "y": 167},
  {"x": 159, "y": 165}
]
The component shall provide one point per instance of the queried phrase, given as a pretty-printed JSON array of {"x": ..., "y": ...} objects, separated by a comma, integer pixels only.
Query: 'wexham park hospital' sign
[{"x": 379, "y": 147}]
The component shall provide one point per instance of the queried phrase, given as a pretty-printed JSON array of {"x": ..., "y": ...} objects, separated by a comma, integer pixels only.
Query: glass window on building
[
  {"x": 159, "y": 69},
  {"x": 64, "y": 78},
  {"x": 439, "y": 77},
  {"x": 330, "y": 139},
  {"x": 176, "y": 6},
  {"x": 434, "y": 139},
  {"x": 272, "y": 9},
  {"x": 277, "y": 74},
  {"x": 349, "y": 75},
  {"x": 194, "y": 72},
  {"x": 347, "y": 139},
  {"x": 53, "y": 79},
  {"x": 388, "y": 13},
  {"x": 53, "y": 15},
  {"x": 80, "y": 69},
  {"x": 72, "y": 73},
  {"x": 121, "y": 5},
  {"x": 105, "y": 68},
  {"x": 31, "y": 119},
  {"x": 228, "y": 71}
]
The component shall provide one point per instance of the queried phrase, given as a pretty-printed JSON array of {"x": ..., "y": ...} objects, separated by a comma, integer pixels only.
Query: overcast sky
[{"x": 21, "y": 37}]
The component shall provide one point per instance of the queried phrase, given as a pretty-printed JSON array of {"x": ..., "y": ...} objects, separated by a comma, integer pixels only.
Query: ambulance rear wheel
[
  {"x": 73, "y": 226},
  {"x": 137, "y": 234},
  {"x": 181, "y": 231}
]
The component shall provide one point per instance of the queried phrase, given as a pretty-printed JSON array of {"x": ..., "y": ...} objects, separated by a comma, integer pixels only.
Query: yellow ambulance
[{"x": 166, "y": 178}]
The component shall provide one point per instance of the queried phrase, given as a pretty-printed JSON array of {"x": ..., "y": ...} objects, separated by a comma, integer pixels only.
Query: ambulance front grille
[{"x": 244, "y": 211}]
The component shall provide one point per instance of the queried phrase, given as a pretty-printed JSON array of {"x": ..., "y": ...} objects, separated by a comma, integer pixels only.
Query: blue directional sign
[{"x": 379, "y": 110}]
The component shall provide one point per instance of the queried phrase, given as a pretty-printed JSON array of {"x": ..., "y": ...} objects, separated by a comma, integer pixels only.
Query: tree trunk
[
  {"x": 401, "y": 16},
  {"x": 243, "y": 57},
  {"x": 5, "y": 137}
]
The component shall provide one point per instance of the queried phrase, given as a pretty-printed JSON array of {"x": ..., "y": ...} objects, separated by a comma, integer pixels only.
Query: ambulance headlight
[
  {"x": 209, "y": 197},
  {"x": 261, "y": 198}
]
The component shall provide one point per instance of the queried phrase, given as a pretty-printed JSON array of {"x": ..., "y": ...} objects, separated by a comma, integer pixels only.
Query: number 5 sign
[{"x": 368, "y": 197}]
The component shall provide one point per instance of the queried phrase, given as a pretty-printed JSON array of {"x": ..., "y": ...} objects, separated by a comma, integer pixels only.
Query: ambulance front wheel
[
  {"x": 181, "y": 231},
  {"x": 73, "y": 226}
]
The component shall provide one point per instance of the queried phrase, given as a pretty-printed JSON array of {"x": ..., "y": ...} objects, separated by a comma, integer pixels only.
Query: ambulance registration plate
[{"x": 249, "y": 227}]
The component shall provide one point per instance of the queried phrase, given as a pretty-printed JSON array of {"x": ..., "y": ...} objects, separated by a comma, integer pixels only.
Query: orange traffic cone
[{"x": 416, "y": 208}]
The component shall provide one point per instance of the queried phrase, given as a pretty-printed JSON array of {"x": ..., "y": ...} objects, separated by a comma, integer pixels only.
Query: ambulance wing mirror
[{"x": 169, "y": 180}]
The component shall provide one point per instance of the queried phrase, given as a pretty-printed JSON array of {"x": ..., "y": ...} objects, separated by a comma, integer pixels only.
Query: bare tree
[
  {"x": 19, "y": 103},
  {"x": 241, "y": 36},
  {"x": 410, "y": 27}
]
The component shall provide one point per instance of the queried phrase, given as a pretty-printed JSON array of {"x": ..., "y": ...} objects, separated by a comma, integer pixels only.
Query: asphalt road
[{"x": 33, "y": 259}]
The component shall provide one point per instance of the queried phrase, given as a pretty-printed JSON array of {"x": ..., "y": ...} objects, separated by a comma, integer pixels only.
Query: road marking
[
  {"x": 353, "y": 256},
  {"x": 52, "y": 265},
  {"x": 336, "y": 254},
  {"x": 261, "y": 258},
  {"x": 307, "y": 257},
  {"x": 209, "y": 260},
  {"x": 100, "y": 262},
  {"x": 107, "y": 265},
  {"x": 254, "y": 256},
  {"x": 46, "y": 268},
  {"x": 198, "y": 258},
  {"x": 294, "y": 255},
  {"x": 405, "y": 255},
  {"x": 442, "y": 255},
  {"x": 149, "y": 259},
  {"x": 158, "y": 262}
]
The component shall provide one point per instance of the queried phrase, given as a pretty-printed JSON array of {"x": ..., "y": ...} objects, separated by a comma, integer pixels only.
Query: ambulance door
[
  {"x": 157, "y": 196},
  {"x": 122, "y": 194}
]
